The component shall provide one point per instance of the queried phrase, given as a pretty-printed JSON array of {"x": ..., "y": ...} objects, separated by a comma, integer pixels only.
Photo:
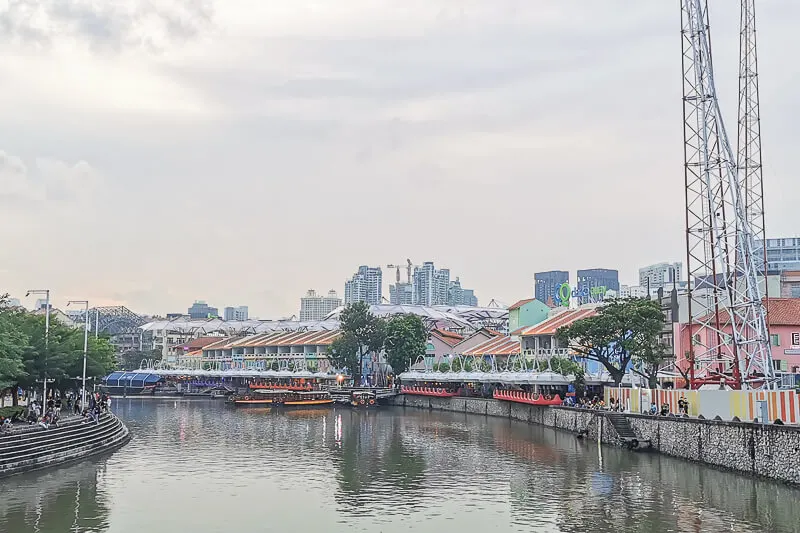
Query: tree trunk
[
  {"x": 617, "y": 375},
  {"x": 360, "y": 367},
  {"x": 652, "y": 381},
  {"x": 15, "y": 395}
]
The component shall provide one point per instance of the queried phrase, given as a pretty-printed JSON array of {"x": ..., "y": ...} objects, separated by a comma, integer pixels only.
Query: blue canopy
[{"x": 131, "y": 379}]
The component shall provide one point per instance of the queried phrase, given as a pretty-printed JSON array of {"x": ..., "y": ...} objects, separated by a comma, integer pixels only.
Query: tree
[
  {"x": 25, "y": 357},
  {"x": 362, "y": 333},
  {"x": 406, "y": 339},
  {"x": 12, "y": 346},
  {"x": 621, "y": 330}
]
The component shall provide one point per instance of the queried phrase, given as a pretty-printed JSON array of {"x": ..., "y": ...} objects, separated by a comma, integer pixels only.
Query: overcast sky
[{"x": 153, "y": 152}]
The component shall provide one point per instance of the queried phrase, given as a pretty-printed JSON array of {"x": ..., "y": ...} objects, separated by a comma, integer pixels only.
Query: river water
[{"x": 201, "y": 467}]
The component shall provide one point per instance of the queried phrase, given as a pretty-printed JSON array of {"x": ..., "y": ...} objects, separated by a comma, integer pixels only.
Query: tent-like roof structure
[
  {"x": 431, "y": 315},
  {"x": 236, "y": 327}
]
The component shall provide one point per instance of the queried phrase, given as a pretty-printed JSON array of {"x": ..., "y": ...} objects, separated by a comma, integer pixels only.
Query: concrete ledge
[{"x": 764, "y": 450}]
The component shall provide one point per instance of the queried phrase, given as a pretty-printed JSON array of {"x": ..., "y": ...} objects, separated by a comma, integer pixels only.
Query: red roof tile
[
  {"x": 521, "y": 303},
  {"x": 448, "y": 337},
  {"x": 496, "y": 346},
  {"x": 780, "y": 312},
  {"x": 200, "y": 342},
  {"x": 550, "y": 325}
]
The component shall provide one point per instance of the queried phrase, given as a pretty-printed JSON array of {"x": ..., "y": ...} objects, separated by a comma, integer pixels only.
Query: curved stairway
[{"x": 33, "y": 447}]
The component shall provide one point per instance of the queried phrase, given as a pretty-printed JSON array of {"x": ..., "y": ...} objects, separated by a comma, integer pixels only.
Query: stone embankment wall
[
  {"x": 766, "y": 450},
  {"x": 33, "y": 448}
]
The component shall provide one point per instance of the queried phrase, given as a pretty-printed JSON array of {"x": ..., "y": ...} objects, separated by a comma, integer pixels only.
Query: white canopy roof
[
  {"x": 517, "y": 378},
  {"x": 266, "y": 374}
]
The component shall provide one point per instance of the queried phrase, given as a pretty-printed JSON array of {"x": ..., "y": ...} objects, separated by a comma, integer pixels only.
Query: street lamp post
[
  {"x": 46, "y": 292},
  {"x": 85, "y": 345}
]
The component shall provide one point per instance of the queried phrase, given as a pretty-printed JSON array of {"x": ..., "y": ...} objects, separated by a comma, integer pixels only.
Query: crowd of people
[
  {"x": 619, "y": 405},
  {"x": 50, "y": 414}
]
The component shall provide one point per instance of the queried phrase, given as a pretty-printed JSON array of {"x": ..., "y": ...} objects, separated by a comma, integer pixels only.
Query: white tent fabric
[{"x": 515, "y": 378}]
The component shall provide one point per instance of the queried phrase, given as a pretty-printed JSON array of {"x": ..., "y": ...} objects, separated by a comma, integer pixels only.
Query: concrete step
[
  {"x": 53, "y": 436},
  {"x": 621, "y": 425},
  {"x": 37, "y": 433},
  {"x": 66, "y": 446}
]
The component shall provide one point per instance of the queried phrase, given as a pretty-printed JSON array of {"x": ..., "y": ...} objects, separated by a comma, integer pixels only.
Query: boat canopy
[{"x": 132, "y": 380}]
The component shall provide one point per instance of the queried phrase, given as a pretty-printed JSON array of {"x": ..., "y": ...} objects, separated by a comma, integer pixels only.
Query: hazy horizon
[{"x": 153, "y": 153}]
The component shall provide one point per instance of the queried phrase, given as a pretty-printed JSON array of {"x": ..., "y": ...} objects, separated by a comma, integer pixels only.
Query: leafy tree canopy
[
  {"x": 622, "y": 331},
  {"x": 406, "y": 339},
  {"x": 25, "y": 355}
]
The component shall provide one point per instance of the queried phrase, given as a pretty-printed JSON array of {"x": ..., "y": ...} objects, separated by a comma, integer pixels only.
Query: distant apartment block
[
  {"x": 660, "y": 275},
  {"x": 236, "y": 313},
  {"x": 401, "y": 294},
  {"x": 782, "y": 254},
  {"x": 366, "y": 285},
  {"x": 545, "y": 285},
  {"x": 594, "y": 282},
  {"x": 313, "y": 307},
  {"x": 457, "y": 295},
  {"x": 201, "y": 309},
  {"x": 627, "y": 291}
]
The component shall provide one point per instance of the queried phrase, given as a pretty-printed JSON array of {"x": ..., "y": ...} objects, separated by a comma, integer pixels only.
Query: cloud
[
  {"x": 48, "y": 180},
  {"x": 15, "y": 183},
  {"x": 104, "y": 25}
]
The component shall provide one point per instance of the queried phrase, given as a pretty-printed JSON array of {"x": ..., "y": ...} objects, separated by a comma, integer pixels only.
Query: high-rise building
[
  {"x": 366, "y": 285},
  {"x": 401, "y": 294},
  {"x": 594, "y": 282},
  {"x": 545, "y": 285},
  {"x": 782, "y": 254},
  {"x": 201, "y": 309},
  {"x": 431, "y": 286},
  {"x": 660, "y": 275},
  {"x": 424, "y": 281},
  {"x": 313, "y": 307},
  {"x": 457, "y": 295},
  {"x": 236, "y": 313}
]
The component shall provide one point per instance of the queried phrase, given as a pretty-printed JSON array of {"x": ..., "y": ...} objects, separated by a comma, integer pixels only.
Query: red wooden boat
[
  {"x": 427, "y": 391},
  {"x": 531, "y": 398}
]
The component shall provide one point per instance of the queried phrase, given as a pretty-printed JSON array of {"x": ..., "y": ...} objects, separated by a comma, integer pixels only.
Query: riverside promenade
[
  {"x": 764, "y": 450},
  {"x": 27, "y": 448}
]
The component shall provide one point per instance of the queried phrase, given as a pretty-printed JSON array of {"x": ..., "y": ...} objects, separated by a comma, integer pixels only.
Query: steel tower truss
[
  {"x": 749, "y": 134},
  {"x": 727, "y": 317}
]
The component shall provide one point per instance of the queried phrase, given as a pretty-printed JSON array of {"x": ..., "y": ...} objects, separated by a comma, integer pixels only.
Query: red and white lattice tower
[{"x": 727, "y": 316}]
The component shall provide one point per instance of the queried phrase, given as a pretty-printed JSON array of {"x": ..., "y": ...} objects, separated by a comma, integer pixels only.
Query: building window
[
  {"x": 796, "y": 338},
  {"x": 775, "y": 339}
]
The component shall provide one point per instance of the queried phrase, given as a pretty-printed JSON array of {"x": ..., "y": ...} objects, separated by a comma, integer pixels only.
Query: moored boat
[
  {"x": 363, "y": 399},
  {"x": 282, "y": 398}
]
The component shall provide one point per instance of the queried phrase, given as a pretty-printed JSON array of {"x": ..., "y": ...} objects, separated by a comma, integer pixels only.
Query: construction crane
[
  {"x": 409, "y": 268},
  {"x": 397, "y": 276},
  {"x": 720, "y": 246}
]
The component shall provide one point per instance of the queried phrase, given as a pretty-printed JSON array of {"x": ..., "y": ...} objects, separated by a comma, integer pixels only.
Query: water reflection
[
  {"x": 68, "y": 499},
  {"x": 201, "y": 467}
]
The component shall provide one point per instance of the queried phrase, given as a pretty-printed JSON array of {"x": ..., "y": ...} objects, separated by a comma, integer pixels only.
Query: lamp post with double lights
[
  {"x": 46, "y": 292},
  {"x": 85, "y": 304}
]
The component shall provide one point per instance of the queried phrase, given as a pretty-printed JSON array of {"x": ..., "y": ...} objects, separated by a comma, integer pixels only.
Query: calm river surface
[{"x": 199, "y": 467}]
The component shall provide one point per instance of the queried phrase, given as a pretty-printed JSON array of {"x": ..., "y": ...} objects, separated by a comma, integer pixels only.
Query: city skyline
[{"x": 112, "y": 150}]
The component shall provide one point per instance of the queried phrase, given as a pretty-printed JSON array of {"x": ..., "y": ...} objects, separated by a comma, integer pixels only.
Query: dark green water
[{"x": 199, "y": 467}]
